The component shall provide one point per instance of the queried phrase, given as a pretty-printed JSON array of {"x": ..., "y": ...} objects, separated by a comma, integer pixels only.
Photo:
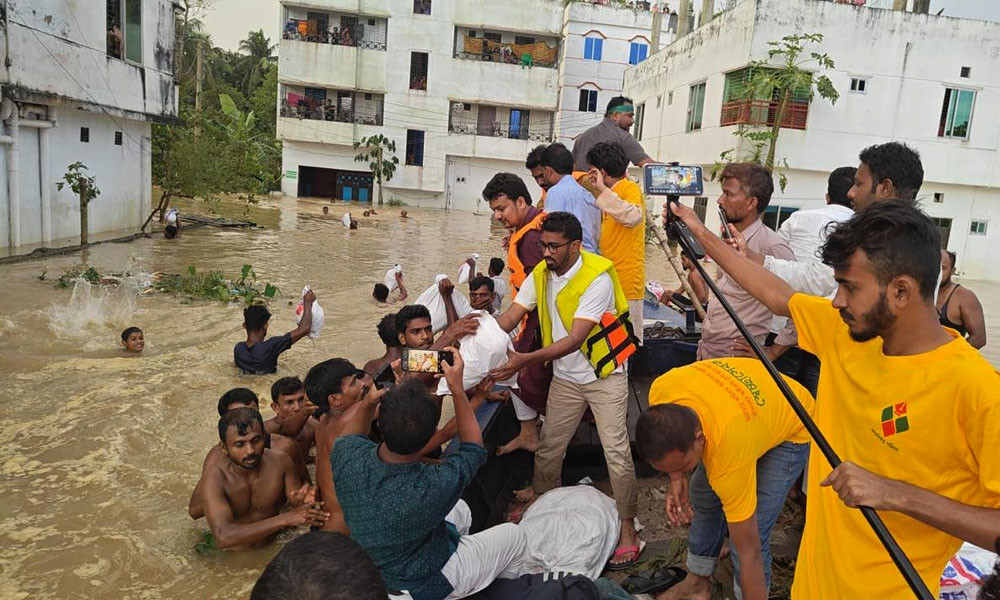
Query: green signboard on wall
[{"x": 291, "y": 174}]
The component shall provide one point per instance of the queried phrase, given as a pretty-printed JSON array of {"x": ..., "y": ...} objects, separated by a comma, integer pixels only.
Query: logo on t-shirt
[{"x": 894, "y": 419}]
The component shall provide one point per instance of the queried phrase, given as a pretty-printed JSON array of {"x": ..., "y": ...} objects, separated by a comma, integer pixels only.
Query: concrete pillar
[
  {"x": 707, "y": 12},
  {"x": 683, "y": 14},
  {"x": 654, "y": 36}
]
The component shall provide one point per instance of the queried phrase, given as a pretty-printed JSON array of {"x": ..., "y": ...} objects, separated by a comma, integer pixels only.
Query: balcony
[
  {"x": 501, "y": 122},
  {"x": 341, "y": 29},
  {"x": 524, "y": 50},
  {"x": 331, "y": 66},
  {"x": 764, "y": 112},
  {"x": 340, "y": 106}
]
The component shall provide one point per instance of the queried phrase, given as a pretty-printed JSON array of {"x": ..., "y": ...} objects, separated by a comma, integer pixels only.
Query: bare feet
[
  {"x": 628, "y": 538},
  {"x": 527, "y": 439},
  {"x": 525, "y": 496},
  {"x": 694, "y": 587}
]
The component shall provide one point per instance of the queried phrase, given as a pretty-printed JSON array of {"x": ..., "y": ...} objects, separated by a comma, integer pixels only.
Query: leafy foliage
[
  {"x": 379, "y": 152},
  {"x": 76, "y": 179},
  {"x": 790, "y": 69}
]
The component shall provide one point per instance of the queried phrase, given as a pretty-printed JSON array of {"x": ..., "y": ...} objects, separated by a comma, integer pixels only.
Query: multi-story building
[
  {"x": 465, "y": 89},
  {"x": 80, "y": 82},
  {"x": 932, "y": 82}
]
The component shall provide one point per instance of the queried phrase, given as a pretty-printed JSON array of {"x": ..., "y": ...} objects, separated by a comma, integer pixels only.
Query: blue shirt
[
  {"x": 569, "y": 196},
  {"x": 262, "y": 357},
  {"x": 396, "y": 511}
]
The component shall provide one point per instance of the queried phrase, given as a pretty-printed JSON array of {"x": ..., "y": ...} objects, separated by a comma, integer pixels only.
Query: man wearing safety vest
[
  {"x": 587, "y": 336},
  {"x": 510, "y": 202}
]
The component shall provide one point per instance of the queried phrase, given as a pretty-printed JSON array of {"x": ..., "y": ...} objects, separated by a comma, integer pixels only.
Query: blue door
[
  {"x": 348, "y": 193},
  {"x": 363, "y": 194}
]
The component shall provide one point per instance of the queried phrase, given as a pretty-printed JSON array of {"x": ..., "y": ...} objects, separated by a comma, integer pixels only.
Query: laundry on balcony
[{"x": 537, "y": 53}]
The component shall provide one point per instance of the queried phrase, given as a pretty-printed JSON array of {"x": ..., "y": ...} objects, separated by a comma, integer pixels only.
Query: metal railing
[
  {"x": 332, "y": 113},
  {"x": 763, "y": 112},
  {"x": 335, "y": 41},
  {"x": 499, "y": 130}
]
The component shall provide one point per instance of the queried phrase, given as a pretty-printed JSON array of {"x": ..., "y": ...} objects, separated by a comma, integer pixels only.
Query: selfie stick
[{"x": 678, "y": 231}]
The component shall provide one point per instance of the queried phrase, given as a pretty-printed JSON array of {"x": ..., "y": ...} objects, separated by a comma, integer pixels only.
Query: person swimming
[{"x": 133, "y": 340}]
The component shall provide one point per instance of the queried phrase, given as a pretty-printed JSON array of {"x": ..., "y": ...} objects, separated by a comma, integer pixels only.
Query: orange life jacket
[{"x": 517, "y": 273}]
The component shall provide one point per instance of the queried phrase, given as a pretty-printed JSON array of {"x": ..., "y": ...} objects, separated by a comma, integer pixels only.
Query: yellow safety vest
[{"x": 612, "y": 340}]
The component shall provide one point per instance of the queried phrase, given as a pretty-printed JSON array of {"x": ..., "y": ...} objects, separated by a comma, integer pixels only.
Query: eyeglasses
[{"x": 542, "y": 246}]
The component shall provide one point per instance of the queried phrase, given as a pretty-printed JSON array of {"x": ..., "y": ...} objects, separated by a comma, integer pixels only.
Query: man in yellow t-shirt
[
  {"x": 727, "y": 420},
  {"x": 911, "y": 408},
  {"x": 623, "y": 231}
]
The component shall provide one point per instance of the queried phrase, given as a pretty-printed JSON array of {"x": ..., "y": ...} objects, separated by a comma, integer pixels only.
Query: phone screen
[
  {"x": 424, "y": 361},
  {"x": 673, "y": 180}
]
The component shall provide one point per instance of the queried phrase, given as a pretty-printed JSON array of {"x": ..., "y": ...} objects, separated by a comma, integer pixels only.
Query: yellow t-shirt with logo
[
  {"x": 743, "y": 414},
  {"x": 931, "y": 420},
  {"x": 626, "y": 246}
]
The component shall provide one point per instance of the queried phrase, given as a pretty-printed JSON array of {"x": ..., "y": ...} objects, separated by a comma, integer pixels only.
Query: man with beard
[
  {"x": 614, "y": 129},
  {"x": 912, "y": 408},
  {"x": 244, "y": 495},
  {"x": 890, "y": 171},
  {"x": 958, "y": 308},
  {"x": 291, "y": 413}
]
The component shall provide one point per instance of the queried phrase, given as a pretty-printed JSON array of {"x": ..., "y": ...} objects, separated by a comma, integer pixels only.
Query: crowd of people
[{"x": 854, "y": 302}]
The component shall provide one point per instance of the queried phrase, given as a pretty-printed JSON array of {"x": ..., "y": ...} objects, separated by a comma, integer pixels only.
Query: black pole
[{"x": 679, "y": 232}]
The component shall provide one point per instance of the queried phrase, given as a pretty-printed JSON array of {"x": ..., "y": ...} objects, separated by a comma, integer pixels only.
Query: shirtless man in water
[
  {"x": 231, "y": 400},
  {"x": 244, "y": 495},
  {"x": 292, "y": 416}
]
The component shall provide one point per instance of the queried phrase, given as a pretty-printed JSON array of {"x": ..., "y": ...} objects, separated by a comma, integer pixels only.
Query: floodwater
[{"x": 101, "y": 450}]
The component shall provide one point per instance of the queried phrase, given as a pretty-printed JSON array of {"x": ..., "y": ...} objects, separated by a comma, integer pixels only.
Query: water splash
[{"x": 96, "y": 311}]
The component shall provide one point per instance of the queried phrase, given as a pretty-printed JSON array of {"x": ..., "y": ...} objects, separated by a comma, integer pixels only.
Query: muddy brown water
[{"x": 101, "y": 450}]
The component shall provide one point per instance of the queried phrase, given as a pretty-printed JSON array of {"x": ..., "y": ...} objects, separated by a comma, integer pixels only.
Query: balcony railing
[
  {"x": 347, "y": 112},
  {"x": 500, "y": 130},
  {"x": 763, "y": 112},
  {"x": 538, "y": 54},
  {"x": 338, "y": 41}
]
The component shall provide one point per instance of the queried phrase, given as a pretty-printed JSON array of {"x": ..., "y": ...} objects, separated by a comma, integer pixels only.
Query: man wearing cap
[{"x": 613, "y": 129}]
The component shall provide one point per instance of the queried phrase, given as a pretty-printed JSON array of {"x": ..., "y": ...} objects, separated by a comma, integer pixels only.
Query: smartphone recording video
[
  {"x": 673, "y": 180},
  {"x": 425, "y": 361}
]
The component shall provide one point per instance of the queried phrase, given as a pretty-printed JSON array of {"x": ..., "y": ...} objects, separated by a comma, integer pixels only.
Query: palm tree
[{"x": 260, "y": 56}]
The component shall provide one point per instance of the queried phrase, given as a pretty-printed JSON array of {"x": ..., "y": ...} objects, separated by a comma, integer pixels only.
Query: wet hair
[
  {"x": 534, "y": 159},
  {"x": 665, "y": 428},
  {"x": 839, "y": 182},
  {"x": 615, "y": 103},
  {"x": 496, "y": 266},
  {"x": 952, "y": 256},
  {"x": 609, "y": 157},
  {"x": 244, "y": 396},
  {"x": 255, "y": 317},
  {"x": 507, "y": 184},
  {"x": 559, "y": 158},
  {"x": 408, "y": 313},
  {"x": 755, "y": 181},
  {"x": 481, "y": 280},
  {"x": 285, "y": 386},
  {"x": 387, "y": 331},
  {"x": 326, "y": 379},
  {"x": 563, "y": 223},
  {"x": 240, "y": 418},
  {"x": 381, "y": 292},
  {"x": 898, "y": 163},
  {"x": 129, "y": 331},
  {"x": 170, "y": 232},
  {"x": 897, "y": 238},
  {"x": 408, "y": 417},
  {"x": 320, "y": 565}
]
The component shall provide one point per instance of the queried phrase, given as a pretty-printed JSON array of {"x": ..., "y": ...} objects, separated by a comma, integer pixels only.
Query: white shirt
[
  {"x": 500, "y": 288},
  {"x": 597, "y": 300},
  {"x": 806, "y": 231}
]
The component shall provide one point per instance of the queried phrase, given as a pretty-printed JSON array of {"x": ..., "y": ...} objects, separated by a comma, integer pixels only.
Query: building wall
[{"x": 908, "y": 60}]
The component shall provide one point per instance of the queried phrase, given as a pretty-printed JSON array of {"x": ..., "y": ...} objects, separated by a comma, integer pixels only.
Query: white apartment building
[
  {"x": 464, "y": 88},
  {"x": 80, "y": 81},
  {"x": 931, "y": 82}
]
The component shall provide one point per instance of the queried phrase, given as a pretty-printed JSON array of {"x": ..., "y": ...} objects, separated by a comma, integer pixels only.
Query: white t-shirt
[
  {"x": 500, "y": 288},
  {"x": 597, "y": 300}
]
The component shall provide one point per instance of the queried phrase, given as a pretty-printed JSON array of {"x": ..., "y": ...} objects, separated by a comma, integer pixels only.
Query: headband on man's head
[{"x": 623, "y": 108}]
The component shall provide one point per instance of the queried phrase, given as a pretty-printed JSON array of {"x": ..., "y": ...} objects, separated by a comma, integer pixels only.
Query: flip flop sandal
[
  {"x": 652, "y": 582},
  {"x": 636, "y": 550}
]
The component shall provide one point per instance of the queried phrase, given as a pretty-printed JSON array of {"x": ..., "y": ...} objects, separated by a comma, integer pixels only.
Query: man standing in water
[
  {"x": 393, "y": 349},
  {"x": 244, "y": 495},
  {"x": 959, "y": 308},
  {"x": 291, "y": 414},
  {"x": 259, "y": 356}
]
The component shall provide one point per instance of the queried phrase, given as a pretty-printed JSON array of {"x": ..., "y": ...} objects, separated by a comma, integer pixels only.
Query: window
[
  {"x": 701, "y": 207},
  {"x": 637, "y": 53},
  {"x": 466, "y": 106},
  {"x": 318, "y": 95},
  {"x": 659, "y": 99},
  {"x": 696, "y": 106},
  {"x": 593, "y": 47},
  {"x": 858, "y": 85},
  {"x": 368, "y": 96},
  {"x": 588, "y": 100},
  {"x": 965, "y": 72},
  {"x": 371, "y": 22},
  {"x": 640, "y": 116},
  {"x": 418, "y": 70},
  {"x": 85, "y": 135},
  {"x": 421, "y": 7},
  {"x": 743, "y": 105},
  {"x": 124, "y": 34},
  {"x": 774, "y": 216},
  {"x": 320, "y": 19},
  {"x": 523, "y": 39},
  {"x": 978, "y": 228},
  {"x": 956, "y": 113},
  {"x": 118, "y": 138},
  {"x": 414, "y": 147},
  {"x": 518, "y": 126},
  {"x": 944, "y": 229},
  {"x": 938, "y": 197},
  {"x": 492, "y": 36}
]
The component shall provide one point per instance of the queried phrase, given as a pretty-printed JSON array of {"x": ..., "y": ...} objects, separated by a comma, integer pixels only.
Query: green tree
[
  {"x": 791, "y": 70},
  {"x": 252, "y": 159},
  {"x": 260, "y": 57},
  {"x": 379, "y": 153},
  {"x": 264, "y": 102},
  {"x": 85, "y": 187}
]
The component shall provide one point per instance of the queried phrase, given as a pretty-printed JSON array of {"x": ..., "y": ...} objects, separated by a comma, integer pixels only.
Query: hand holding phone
[
  {"x": 725, "y": 224},
  {"x": 426, "y": 361}
]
